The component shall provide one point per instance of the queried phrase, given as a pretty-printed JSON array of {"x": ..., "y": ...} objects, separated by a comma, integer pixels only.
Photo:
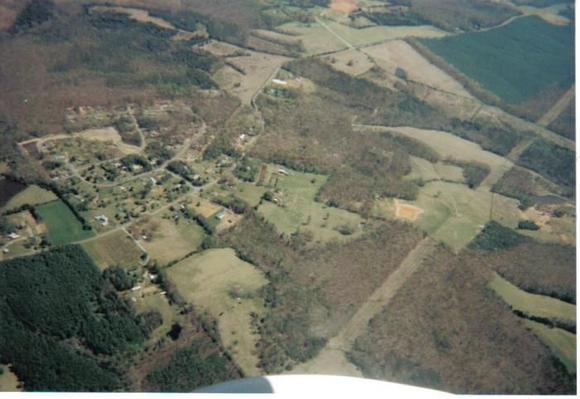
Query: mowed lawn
[
  {"x": 114, "y": 249},
  {"x": 228, "y": 288},
  {"x": 515, "y": 62},
  {"x": 63, "y": 225}
]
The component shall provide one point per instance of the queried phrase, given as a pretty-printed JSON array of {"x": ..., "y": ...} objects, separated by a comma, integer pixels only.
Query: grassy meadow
[
  {"x": 63, "y": 225},
  {"x": 218, "y": 282},
  {"x": 115, "y": 249}
]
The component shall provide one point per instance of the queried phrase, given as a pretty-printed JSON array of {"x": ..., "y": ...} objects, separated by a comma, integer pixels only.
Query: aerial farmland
[{"x": 194, "y": 192}]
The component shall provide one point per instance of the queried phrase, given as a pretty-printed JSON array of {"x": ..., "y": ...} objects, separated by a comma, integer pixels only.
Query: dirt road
[
  {"x": 332, "y": 359},
  {"x": 557, "y": 108}
]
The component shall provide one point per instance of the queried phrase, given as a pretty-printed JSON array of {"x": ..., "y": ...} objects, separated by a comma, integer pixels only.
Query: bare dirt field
[
  {"x": 343, "y": 6},
  {"x": 407, "y": 211},
  {"x": 398, "y": 54}
]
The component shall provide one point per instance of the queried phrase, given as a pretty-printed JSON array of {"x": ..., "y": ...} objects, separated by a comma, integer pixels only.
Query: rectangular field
[
  {"x": 114, "y": 249},
  {"x": 515, "y": 62},
  {"x": 63, "y": 225}
]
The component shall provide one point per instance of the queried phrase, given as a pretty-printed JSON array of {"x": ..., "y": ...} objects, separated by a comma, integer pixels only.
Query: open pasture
[
  {"x": 295, "y": 209},
  {"x": 227, "y": 288},
  {"x": 168, "y": 240},
  {"x": 516, "y": 62},
  {"x": 149, "y": 298},
  {"x": 114, "y": 249},
  {"x": 377, "y": 34},
  {"x": 532, "y": 304},
  {"x": 32, "y": 195},
  {"x": 316, "y": 39},
  {"x": 426, "y": 171},
  {"x": 455, "y": 214},
  {"x": 561, "y": 342},
  {"x": 246, "y": 75},
  {"x": 448, "y": 145},
  {"x": 63, "y": 225},
  {"x": 399, "y": 54}
]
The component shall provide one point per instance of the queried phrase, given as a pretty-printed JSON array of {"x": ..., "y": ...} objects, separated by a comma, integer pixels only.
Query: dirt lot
[
  {"x": 398, "y": 54},
  {"x": 344, "y": 6},
  {"x": 407, "y": 211}
]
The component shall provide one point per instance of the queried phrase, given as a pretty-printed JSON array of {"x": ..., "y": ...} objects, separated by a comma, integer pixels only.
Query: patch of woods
[
  {"x": 528, "y": 188},
  {"x": 445, "y": 329},
  {"x": 551, "y": 161},
  {"x": 444, "y": 14},
  {"x": 64, "y": 326},
  {"x": 310, "y": 292},
  {"x": 539, "y": 268}
]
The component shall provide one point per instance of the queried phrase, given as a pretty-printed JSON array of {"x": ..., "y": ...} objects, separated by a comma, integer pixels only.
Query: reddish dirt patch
[
  {"x": 344, "y": 6},
  {"x": 406, "y": 211}
]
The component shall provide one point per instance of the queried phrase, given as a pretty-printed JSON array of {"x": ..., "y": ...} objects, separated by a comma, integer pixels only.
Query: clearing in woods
[
  {"x": 295, "y": 209},
  {"x": 426, "y": 171},
  {"x": 532, "y": 304},
  {"x": 353, "y": 62},
  {"x": 113, "y": 249},
  {"x": 399, "y": 54},
  {"x": 227, "y": 288},
  {"x": 245, "y": 75},
  {"x": 448, "y": 145},
  {"x": 561, "y": 342},
  {"x": 8, "y": 380}
]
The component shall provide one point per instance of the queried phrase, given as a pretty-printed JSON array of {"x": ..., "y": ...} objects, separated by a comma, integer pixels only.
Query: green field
[
  {"x": 297, "y": 210},
  {"x": 532, "y": 304},
  {"x": 561, "y": 342},
  {"x": 32, "y": 195},
  {"x": 455, "y": 214},
  {"x": 218, "y": 282},
  {"x": 63, "y": 226},
  {"x": 515, "y": 62}
]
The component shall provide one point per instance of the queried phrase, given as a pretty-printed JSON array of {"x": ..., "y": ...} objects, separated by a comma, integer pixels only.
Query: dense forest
[{"x": 63, "y": 323}]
